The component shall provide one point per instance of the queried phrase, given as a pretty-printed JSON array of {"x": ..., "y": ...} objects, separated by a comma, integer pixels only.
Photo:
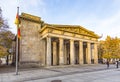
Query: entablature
[{"x": 60, "y": 31}]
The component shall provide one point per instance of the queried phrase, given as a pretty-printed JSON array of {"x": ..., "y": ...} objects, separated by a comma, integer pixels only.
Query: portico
[{"x": 69, "y": 47}]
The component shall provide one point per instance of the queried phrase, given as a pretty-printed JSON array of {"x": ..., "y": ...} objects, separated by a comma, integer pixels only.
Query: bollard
[{"x": 56, "y": 81}]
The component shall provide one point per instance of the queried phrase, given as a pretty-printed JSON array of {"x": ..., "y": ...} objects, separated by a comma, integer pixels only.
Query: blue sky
[{"x": 100, "y": 16}]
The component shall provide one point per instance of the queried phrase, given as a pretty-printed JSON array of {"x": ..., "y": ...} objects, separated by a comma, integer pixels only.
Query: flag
[
  {"x": 17, "y": 21},
  {"x": 19, "y": 36}
]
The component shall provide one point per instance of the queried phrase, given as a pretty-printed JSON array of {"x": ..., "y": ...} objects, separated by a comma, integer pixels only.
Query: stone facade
[{"x": 43, "y": 44}]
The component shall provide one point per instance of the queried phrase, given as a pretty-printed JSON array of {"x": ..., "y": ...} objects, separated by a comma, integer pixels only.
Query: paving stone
[{"x": 66, "y": 74}]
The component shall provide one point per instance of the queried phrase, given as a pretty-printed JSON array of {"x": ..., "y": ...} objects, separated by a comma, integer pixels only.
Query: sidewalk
[{"x": 48, "y": 72}]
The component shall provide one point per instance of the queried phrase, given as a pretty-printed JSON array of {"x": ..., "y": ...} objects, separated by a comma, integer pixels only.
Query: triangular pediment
[{"x": 76, "y": 29}]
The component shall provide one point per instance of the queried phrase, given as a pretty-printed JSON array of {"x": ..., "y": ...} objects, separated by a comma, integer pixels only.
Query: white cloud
[
  {"x": 110, "y": 21},
  {"x": 92, "y": 21},
  {"x": 9, "y": 8},
  {"x": 9, "y": 12},
  {"x": 107, "y": 26},
  {"x": 36, "y": 7},
  {"x": 110, "y": 26}
]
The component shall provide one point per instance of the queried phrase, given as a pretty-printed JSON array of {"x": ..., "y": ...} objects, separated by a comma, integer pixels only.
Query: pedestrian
[
  {"x": 0, "y": 61},
  {"x": 107, "y": 64},
  {"x": 117, "y": 64}
]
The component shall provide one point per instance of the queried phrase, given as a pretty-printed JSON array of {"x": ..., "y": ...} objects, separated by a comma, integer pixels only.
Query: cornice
[{"x": 29, "y": 17}]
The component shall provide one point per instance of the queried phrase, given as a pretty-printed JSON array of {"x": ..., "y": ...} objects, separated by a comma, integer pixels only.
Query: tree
[
  {"x": 100, "y": 49},
  {"x": 110, "y": 48},
  {"x": 6, "y": 36},
  {"x": 107, "y": 48},
  {"x": 1, "y": 19},
  {"x": 3, "y": 22},
  {"x": 3, "y": 51}
]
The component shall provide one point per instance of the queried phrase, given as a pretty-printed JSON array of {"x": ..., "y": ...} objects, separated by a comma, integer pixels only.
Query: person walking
[
  {"x": 117, "y": 64},
  {"x": 0, "y": 61},
  {"x": 107, "y": 64}
]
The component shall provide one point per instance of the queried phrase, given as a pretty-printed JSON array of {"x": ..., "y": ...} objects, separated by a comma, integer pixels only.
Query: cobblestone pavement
[{"x": 32, "y": 74}]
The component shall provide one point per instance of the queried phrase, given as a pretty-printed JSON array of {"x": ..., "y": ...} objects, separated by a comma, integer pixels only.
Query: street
[
  {"x": 77, "y": 73},
  {"x": 97, "y": 76}
]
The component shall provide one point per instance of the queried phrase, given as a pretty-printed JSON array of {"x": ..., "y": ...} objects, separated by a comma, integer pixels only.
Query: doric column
[
  {"x": 95, "y": 53},
  {"x": 72, "y": 55},
  {"x": 54, "y": 53},
  {"x": 80, "y": 52},
  {"x": 89, "y": 53},
  {"x": 61, "y": 56},
  {"x": 48, "y": 56}
]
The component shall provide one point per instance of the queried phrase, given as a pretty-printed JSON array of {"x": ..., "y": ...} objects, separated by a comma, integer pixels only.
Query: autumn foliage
[
  {"x": 110, "y": 48},
  {"x": 6, "y": 37}
]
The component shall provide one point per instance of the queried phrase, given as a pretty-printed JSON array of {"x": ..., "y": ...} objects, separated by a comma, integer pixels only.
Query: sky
[{"x": 100, "y": 16}]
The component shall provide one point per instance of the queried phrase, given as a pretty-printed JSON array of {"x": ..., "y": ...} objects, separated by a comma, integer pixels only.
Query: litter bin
[{"x": 56, "y": 81}]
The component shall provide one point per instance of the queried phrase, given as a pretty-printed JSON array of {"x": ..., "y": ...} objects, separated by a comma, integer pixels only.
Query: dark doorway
[
  {"x": 68, "y": 53},
  {"x": 84, "y": 52},
  {"x": 92, "y": 55},
  {"x": 76, "y": 52}
]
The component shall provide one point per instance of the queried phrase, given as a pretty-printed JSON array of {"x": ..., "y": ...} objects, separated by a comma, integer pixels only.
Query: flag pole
[{"x": 17, "y": 45}]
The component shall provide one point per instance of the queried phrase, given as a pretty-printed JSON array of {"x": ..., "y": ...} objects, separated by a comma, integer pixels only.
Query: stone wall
[{"x": 32, "y": 48}]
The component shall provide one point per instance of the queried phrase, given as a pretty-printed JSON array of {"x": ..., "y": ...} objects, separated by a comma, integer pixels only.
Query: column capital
[
  {"x": 80, "y": 41},
  {"x": 60, "y": 38},
  {"x": 88, "y": 42},
  {"x": 71, "y": 40},
  {"x": 48, "y": 36},
  {"x": 95, "y": 43}
]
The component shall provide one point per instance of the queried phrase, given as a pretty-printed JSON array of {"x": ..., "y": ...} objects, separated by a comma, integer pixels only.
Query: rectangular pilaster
[
  {"x": 95, "y": 53},
  {"x": 48, "y": 55},
  {"x": 72, "y": 55},
  {"x": 80, "y": 52},
  {"x": 54, "y": 53},
  {"x": 61, "y": 56},
  {"x": 89, "y": 53}
]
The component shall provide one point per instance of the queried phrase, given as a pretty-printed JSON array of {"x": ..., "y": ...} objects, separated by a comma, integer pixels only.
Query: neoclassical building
[{"x": 43, "y": 44}]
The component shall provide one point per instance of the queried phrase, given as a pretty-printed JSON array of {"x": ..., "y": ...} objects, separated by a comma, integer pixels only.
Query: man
[
  {"x": 0, "y": 61},
  {"x": 107, "y": 64},
  {"x": 117, "y": 64}
]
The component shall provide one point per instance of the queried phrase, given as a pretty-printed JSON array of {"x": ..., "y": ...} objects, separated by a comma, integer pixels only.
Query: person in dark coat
[
  {"x": 0, "y": 61},
  {"x": 117, "y": 64},
  {"x": 107, "y": 64}
]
